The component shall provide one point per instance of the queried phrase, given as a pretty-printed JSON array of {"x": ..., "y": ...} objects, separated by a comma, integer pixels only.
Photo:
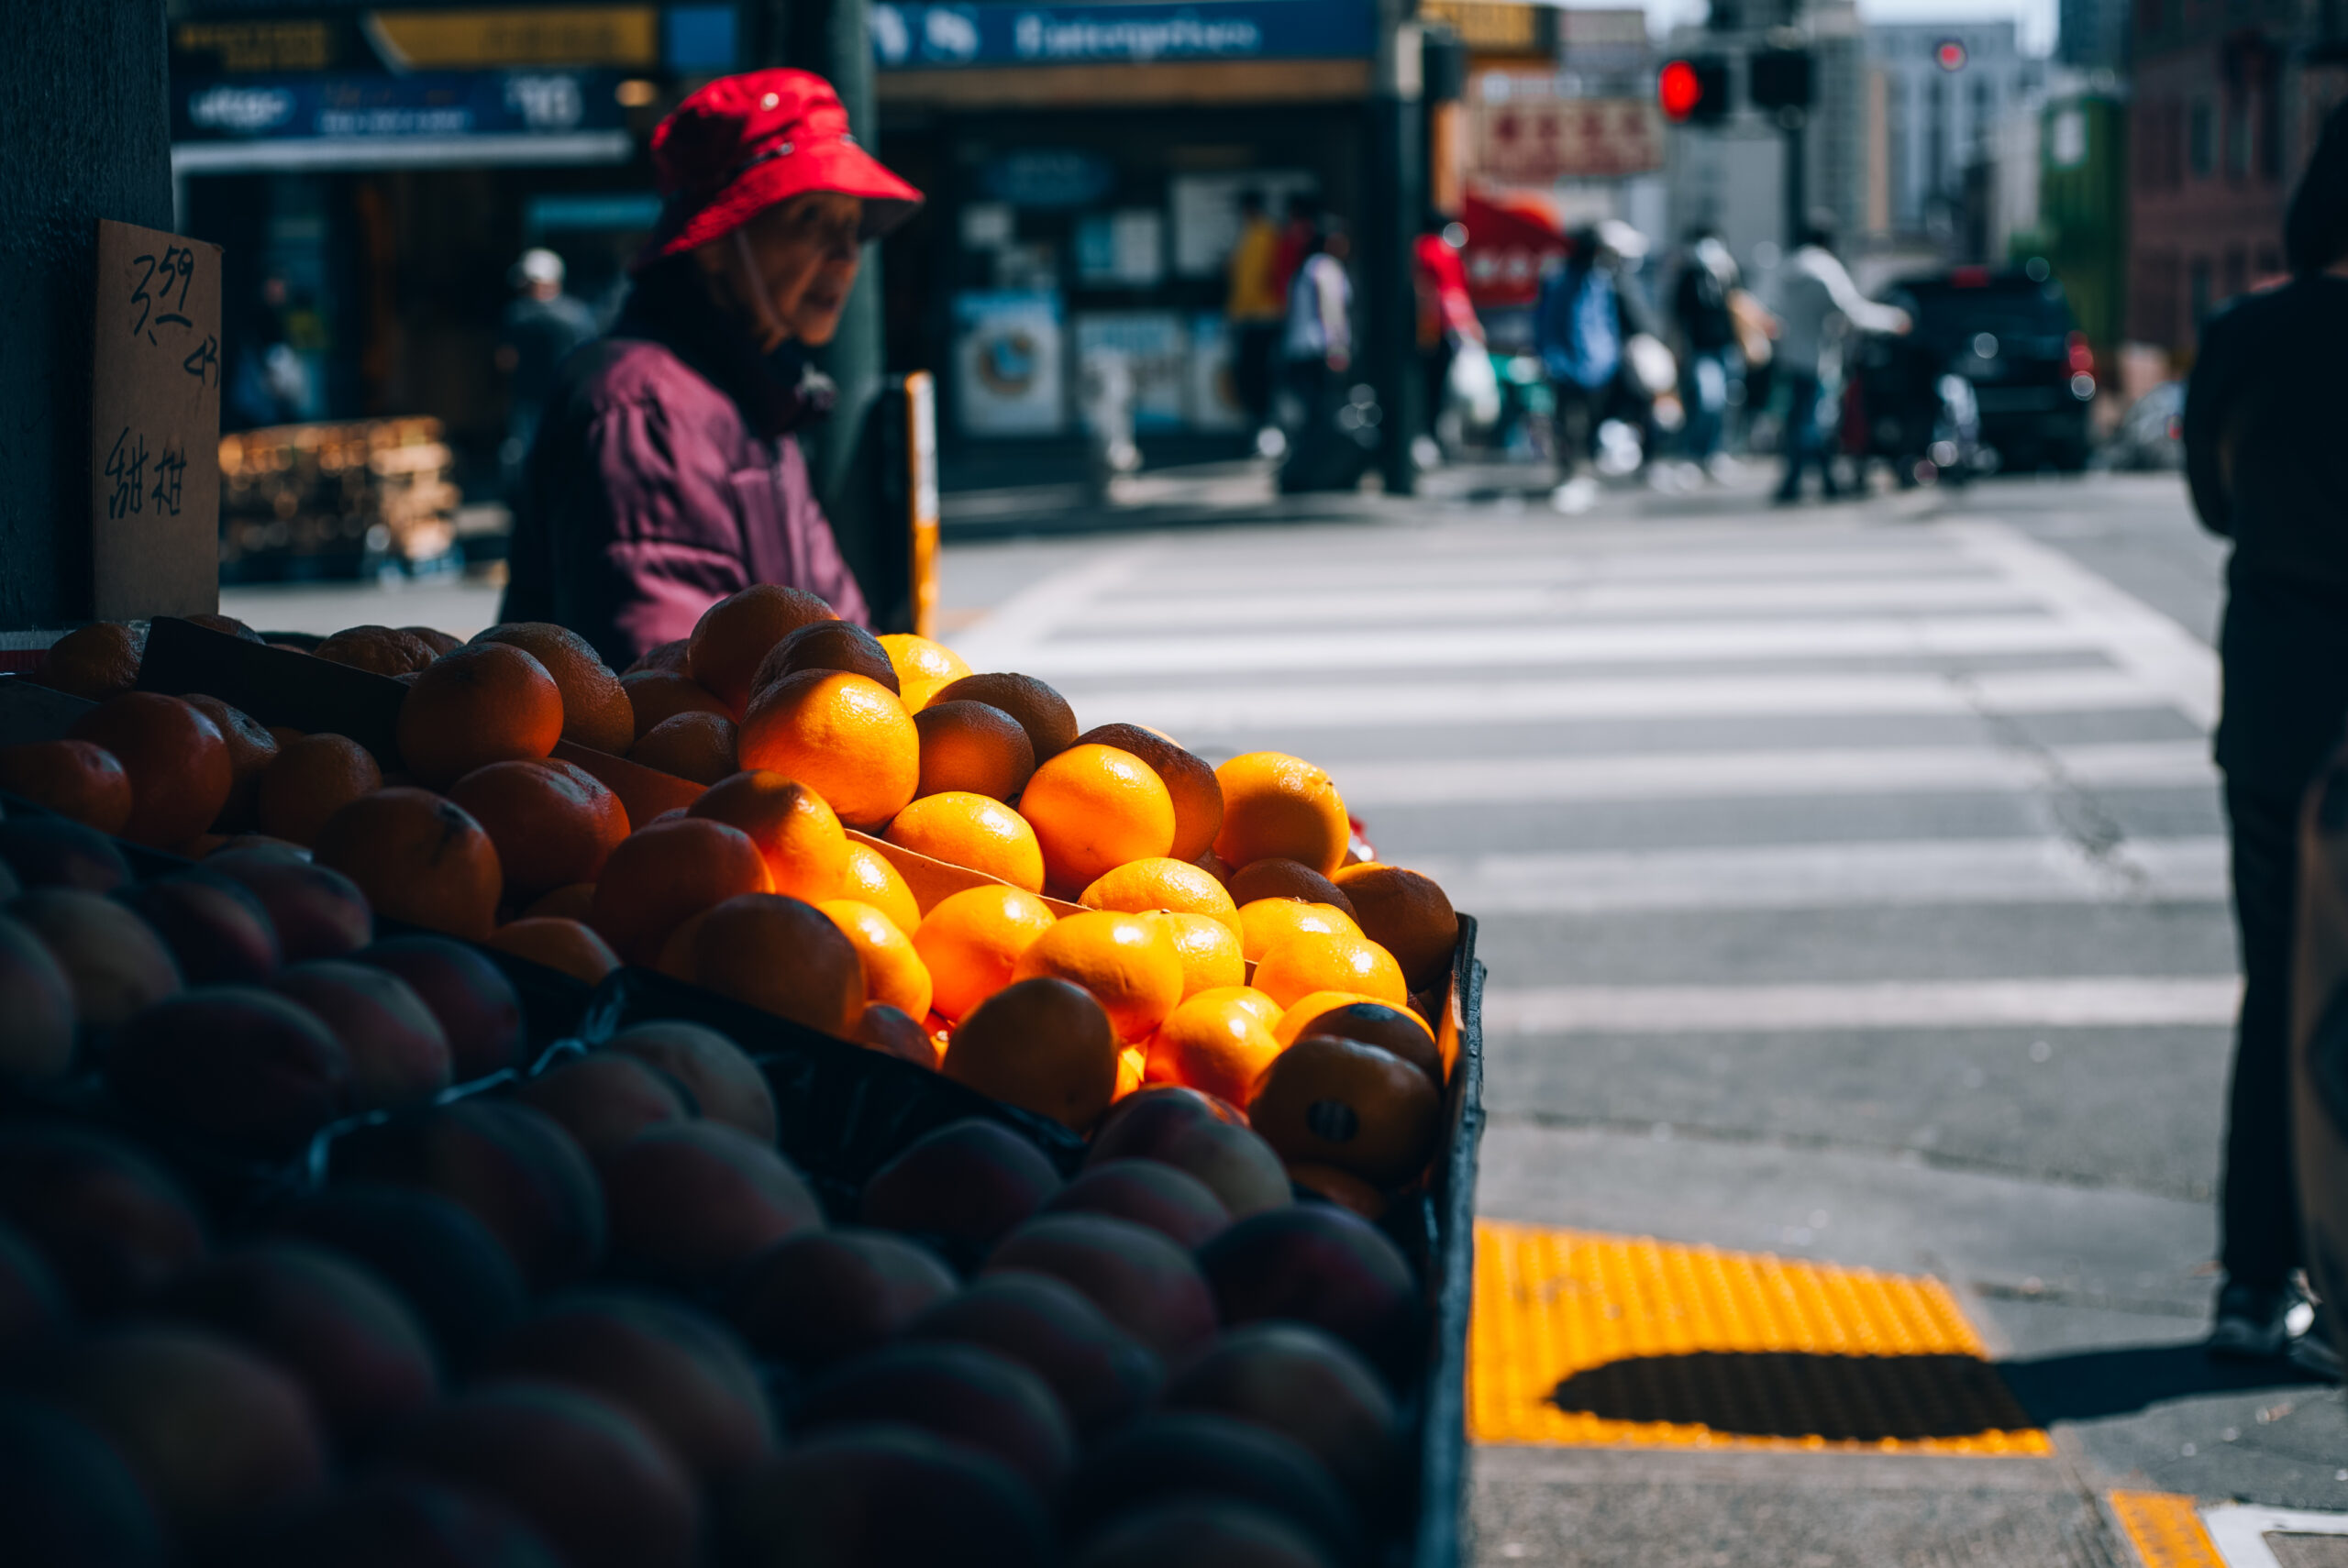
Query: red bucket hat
[{"x": 743, "y": 143}]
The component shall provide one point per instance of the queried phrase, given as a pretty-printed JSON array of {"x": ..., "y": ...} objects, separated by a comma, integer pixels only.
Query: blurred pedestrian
[
  {"x": 1817, "y": 302},
  {"x": 1587, "y": 312},
  {"x": 1317, "y": 358},
  {"x": 269, "y": 382},
  {"x": 1450, "y": 339},
  {"x": 1699, "y": 308},
  {"x": 542, "y": 328},
  {"x": 665, "y": 476},
  {"x": 1300, "y": 230},
  {"x": 2263, "y": 416},
  {"x": 1253, "y": 307}
]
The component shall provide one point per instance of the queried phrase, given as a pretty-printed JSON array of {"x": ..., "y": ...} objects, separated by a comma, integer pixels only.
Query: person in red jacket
[{"x": 665, "y": 475}]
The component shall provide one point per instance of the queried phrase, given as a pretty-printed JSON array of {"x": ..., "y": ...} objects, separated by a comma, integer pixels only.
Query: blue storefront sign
[
  {"x": 555, "y": 116},
  {"x": 942, "y": 37}
]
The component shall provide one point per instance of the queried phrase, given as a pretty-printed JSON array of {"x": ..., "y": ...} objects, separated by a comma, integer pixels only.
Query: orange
[
  {"x": 1394, "y": 1029},
  {"x": 676, "y": 959},
  {"x": 1343, "y": 1189},
  {"x": 486, "y": 702},
  {"x": 379, "y": 650},
  {"x": 1133, "y": 1063},
  {"x": 1406, "y": 914},
  {"x": 564, "y": 944},
  {"x": 1267, "y": 922},
  {"x": 1209, "y": 951},
  {"x": 870, "y": 879},
  {"x": 417, "y": 858},
  {"x": 1278, "y": 878},
  {"x": 968, "y": 745},
  {"x": 783, "y": 956},
  {"x": 595, "y": 709},
  {"x": 1043, "y": 712},
  {"x": 229, "y": 626},
  {"x": 1216, "y": 1046},
  {"x": 923, "y": 666},
  {"x": 552, "y": 824},
  {"x": 696, "y": 745},
  {"x": 81, "y": 779},
  {"x": 666, "y": 872},
  {"x": 827, "y": 645},
  {"x": 1289, "y": 1021},
  {"x": 312, "y": 778},
  {"x": 570, "y": 902},
  {"x": 1161, "y": 883},
  {"x": 663, "y": 655},
  {"x": 970, "y": 830},
  {"x": 894, "y": 972},
  {"x": 1265, "y": 1010},
  {"x": 1339, "y": 1102},
  {"x": 805, "y": 851},
  {"x": 657, "y": 694},
  {"x": 1316, "y": 961},
  {"x": 971, "y": 939},
  {"x": 1042, "y": 1045},
  {"x": 251, "y": 748},
  {"x": 176, "y": 758},
  {"x": 1094, "y": 808},
  {"x": 1198, "y": 798},
  {"x": 735, "y": 632},
  {"x": 96, "y": 661},
  {"x": 440, "y": 643},
  {"x": 845, "y": 736},
  {"x": 1128, "y": 961},
  {"x": 1274, "y": 804},
  {"x": 1212, "y": 863},
  {"x": 893, "y": 1034}
]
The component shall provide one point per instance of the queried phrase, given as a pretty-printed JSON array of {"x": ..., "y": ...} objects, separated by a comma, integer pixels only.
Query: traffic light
[
  {"x": 1694, "y": 91},
  {"x": 1780, "y": 79}
]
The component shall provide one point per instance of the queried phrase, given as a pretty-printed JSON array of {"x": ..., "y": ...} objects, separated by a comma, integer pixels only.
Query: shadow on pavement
[
  {"x": 2124, "y": 1379},
  {"x": 1796, "y": 1394}
]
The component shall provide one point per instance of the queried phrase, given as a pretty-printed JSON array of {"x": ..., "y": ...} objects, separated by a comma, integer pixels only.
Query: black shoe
[
  {"x": 2250, "y": 1321},
  {"x": 2313, "y": 1353}
]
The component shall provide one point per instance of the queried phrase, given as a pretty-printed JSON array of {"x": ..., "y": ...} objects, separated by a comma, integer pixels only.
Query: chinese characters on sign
[
  {"x": 155, "y": 425},
  {"x": 1535, "y": 140}
]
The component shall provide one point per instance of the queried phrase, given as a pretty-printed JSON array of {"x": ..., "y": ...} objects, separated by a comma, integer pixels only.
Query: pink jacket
[{"x": 665, "y": 477}]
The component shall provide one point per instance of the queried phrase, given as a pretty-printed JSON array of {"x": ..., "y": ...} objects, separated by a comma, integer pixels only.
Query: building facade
[{"x": 1950, "y": 97}]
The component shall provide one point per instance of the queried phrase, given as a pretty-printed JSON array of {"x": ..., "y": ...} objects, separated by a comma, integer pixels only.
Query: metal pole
[
  {"x": 1796, "y": 123},
  {"x": 1395, "y": 196}
]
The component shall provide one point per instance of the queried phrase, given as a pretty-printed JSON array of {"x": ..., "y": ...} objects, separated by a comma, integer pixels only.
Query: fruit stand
[
  {"x": 335, "y": 500},
  {"x": 1152, "y": 1227}
]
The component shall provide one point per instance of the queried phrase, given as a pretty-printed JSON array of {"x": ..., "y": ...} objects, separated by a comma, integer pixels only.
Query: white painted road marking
[{"x": 2070, "y": 1002}]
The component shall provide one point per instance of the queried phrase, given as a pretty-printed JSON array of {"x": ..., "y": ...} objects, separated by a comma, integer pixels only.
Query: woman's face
[{"x": 800, "y": 258}]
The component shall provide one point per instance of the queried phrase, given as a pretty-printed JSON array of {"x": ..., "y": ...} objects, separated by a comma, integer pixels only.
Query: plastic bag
[{"x": 1472, "y": 386}]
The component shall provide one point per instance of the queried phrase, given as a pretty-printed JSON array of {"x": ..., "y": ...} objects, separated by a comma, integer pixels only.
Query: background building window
[
  {"x": 2200, "y": 131},
  {"x": 2238, "y": 133},
  {"x": 2197, "y": 290}
]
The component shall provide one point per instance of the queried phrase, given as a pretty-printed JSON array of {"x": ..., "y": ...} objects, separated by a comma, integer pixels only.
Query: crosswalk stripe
[
  {"x": 1189, "y": 709},
  {"x": 2067, "y": 1003},
  {"x": 1653, "y": 642},
  {"x": 1887, "y": 874},
  {"x": 1498, "y": 602},
  {"x": 1741, "y": 775}
]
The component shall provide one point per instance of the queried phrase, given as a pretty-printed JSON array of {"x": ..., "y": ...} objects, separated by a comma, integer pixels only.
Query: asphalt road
[{"x": 1853, "y": 889}]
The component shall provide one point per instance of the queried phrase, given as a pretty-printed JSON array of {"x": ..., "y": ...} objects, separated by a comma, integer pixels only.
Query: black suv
[{"x": 2009, "y": 332}]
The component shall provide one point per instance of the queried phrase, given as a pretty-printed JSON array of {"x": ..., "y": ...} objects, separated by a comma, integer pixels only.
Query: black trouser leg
[{"x": 2259, "y": 1207}]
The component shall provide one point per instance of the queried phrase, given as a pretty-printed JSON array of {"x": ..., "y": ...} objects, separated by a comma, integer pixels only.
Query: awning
[{"x": 359, "y": 152}]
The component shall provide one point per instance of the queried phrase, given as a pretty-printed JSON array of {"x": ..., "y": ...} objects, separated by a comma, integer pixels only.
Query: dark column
[
  {"x": 830, "y": 38},
  {"x": 84, "y": 113},
  {"x": 1394, "y": 193}
]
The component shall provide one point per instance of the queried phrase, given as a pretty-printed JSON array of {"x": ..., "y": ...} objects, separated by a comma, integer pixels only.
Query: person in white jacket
[{"x": 1816, "y": 303}]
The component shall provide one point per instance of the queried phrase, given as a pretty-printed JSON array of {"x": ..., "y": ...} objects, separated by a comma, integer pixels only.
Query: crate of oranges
[{"x": 846, "y": 849}]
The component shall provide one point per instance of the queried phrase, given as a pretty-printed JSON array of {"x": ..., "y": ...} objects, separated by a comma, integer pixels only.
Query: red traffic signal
[
  {"x": 1693, "y": 90},
  {"x": 1949, "y": 55}
]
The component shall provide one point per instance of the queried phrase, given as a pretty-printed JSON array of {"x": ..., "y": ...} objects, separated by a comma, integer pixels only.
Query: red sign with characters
[{"x": 1529, "y": 139}]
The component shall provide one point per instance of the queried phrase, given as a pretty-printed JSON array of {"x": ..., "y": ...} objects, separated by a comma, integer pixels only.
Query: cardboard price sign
[{"x": 155, "y": 425}]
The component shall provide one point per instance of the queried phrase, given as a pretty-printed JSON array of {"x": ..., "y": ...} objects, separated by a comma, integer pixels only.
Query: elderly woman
[{"x": 665, "y": 475}]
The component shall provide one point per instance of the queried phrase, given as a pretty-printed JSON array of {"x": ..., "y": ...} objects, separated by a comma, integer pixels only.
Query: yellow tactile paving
[
  {"x": 2165, "y": 1530},
  {"x": 1688, "y": 1346}
]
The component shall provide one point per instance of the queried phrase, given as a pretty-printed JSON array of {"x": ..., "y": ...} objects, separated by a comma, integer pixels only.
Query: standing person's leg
[
  {"x": 1800, "y": 440},
  {"x": 1571, "y": 420},
  {"x": 2258, "y": 1201},
  {"x": 1253, "y": 371},
  {"x": 1705, "y": 388}
]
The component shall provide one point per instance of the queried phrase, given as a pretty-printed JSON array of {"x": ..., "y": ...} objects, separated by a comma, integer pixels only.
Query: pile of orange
[{"x": 1111, "y": 910}]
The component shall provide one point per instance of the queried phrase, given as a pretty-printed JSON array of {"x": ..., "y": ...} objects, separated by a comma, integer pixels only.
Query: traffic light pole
[
  {"x": 1396, "y": 196},
  {"x": 1796, "y": 125}
]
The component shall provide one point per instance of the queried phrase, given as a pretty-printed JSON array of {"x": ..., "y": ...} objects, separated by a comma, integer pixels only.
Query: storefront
[
  {"x": 1085, "y": 166},
  {"x": 375, "y": 175}
]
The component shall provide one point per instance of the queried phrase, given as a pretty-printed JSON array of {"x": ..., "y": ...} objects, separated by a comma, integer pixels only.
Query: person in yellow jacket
[{"x": 1255, "y": 308}]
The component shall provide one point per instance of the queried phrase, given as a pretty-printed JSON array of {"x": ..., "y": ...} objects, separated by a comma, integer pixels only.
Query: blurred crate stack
[{"x": 335, "y": 500}]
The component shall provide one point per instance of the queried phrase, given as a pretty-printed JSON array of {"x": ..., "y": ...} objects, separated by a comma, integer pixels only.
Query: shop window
[{"x": 2200, "y": 131}]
